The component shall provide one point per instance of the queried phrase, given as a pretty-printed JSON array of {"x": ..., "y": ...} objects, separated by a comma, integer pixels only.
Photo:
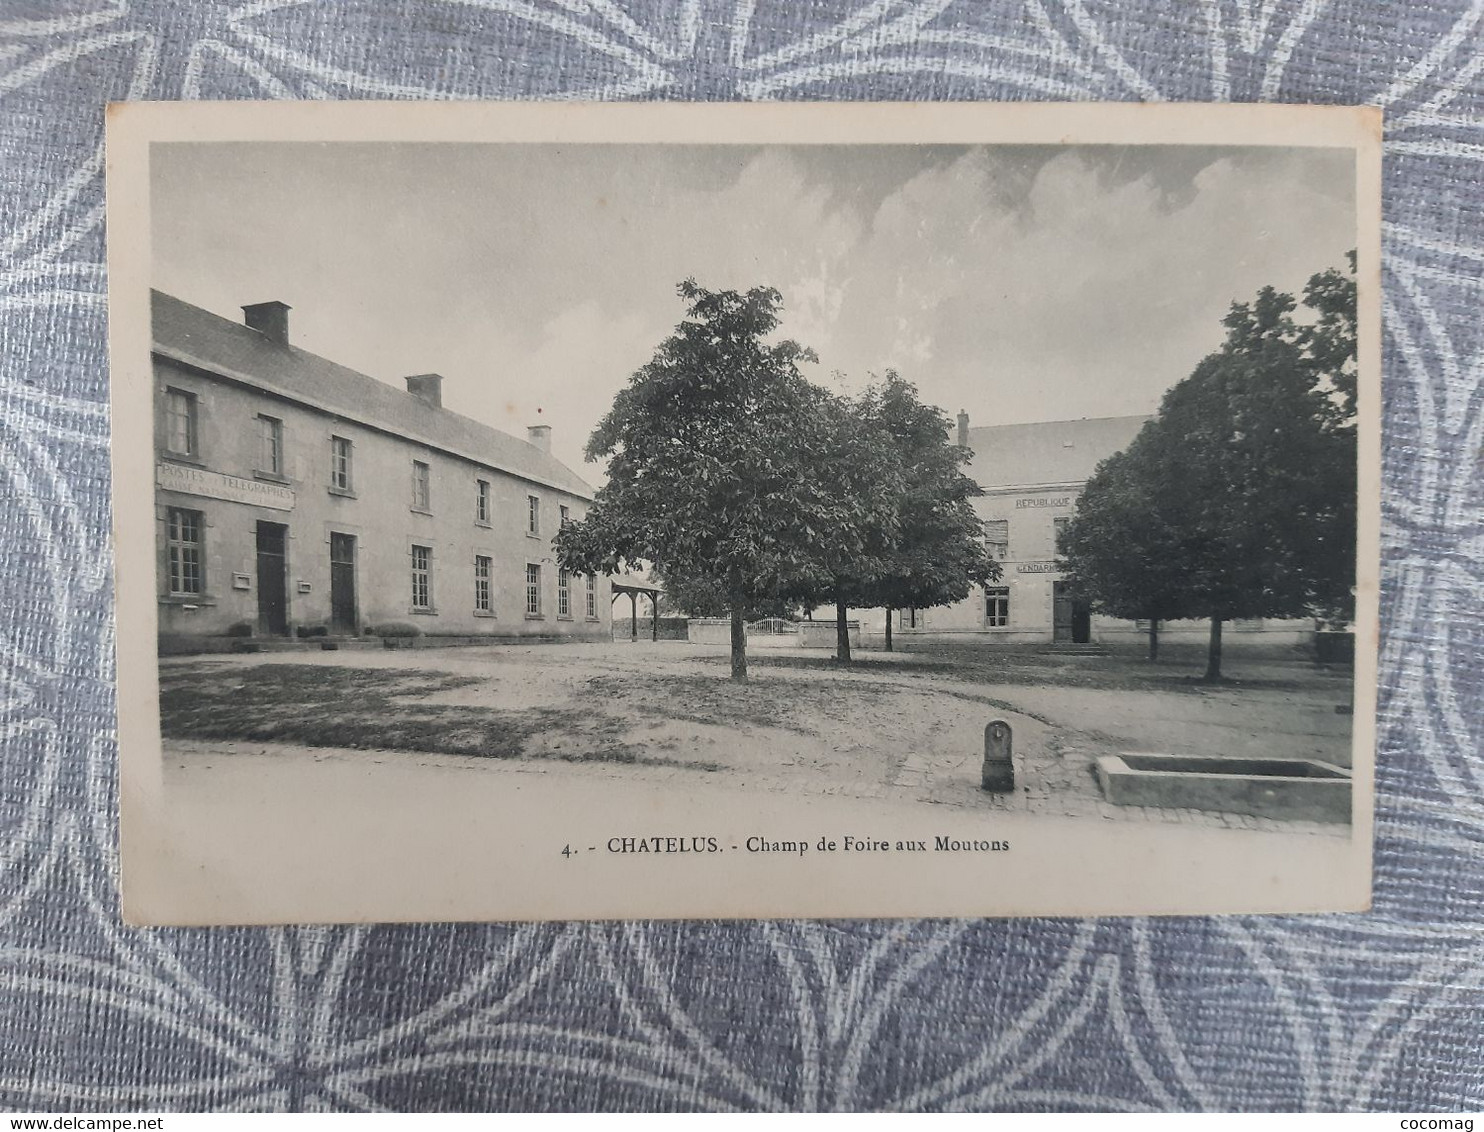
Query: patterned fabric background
[{"x": 1345, "y": 1012}]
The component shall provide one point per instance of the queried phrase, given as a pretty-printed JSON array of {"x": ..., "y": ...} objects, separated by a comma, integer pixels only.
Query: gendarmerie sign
[
  {"x": 1036, "y": 568},
  {"x": 215, "y": 485}
]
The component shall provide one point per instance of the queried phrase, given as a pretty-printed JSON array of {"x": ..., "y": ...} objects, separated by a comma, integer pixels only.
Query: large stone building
[
  {"x": 294, "y": 494},
  {"x": 1032, "y": 476}
]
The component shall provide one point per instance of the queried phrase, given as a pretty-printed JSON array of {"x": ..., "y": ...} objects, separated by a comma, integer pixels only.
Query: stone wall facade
[{"x": 431, "y": 556}]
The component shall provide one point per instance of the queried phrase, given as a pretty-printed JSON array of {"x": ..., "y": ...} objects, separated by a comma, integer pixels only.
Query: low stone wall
[
  {"x": 718, "y": 631},
  {"x": 670, "y": 629},
  {"x": 809, "y": 635},
  {"x": 822, "y": 634},
  {"x": 710, "y": 631}
]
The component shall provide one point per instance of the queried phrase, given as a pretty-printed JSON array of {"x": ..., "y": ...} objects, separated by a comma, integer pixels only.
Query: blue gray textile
[{"x": 1381, "y": 1010}]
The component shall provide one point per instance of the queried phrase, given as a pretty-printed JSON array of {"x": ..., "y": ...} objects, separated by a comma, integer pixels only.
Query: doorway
[
  {"x": 273, "y": 595},
  {"x": 1071, "y": 617},
  {"x": 343, "y": 582}
]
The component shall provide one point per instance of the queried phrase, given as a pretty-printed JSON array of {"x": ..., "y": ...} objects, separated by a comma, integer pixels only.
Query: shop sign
[{"x": 215, "y": 485}]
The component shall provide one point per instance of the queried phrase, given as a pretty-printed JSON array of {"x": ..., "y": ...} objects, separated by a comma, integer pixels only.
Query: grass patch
[
  {"x": 379, "y": 709},
  {"x": 998, "y": 665}
]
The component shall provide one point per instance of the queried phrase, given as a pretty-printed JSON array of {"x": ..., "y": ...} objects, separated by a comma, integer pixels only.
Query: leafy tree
[
  {"x": 860, "y": 485},
  {"x": 715, "y": 475},
  {"x": 1238, "y": 500},
  {"x": 1118, "y": 548},
  {"x": 939, "y": 552}
]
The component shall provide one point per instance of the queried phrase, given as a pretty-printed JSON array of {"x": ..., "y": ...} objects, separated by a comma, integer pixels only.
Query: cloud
[
  {"x": 1087, "y": 295},
  {"x": 1023, "y": 283}
]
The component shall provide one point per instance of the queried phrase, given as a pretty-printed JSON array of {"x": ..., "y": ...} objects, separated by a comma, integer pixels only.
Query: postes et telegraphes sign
[{"x": 216, "y": 485}]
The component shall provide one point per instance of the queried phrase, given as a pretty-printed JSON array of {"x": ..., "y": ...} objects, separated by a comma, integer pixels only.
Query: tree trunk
[
  {"x": 1154, "y": 638},
  {"x": 888, "y": 628},
  {"x": 739, "y": 644},
  {"x": 842, "y": 634},
  {"x": 1213, "y": 654}
]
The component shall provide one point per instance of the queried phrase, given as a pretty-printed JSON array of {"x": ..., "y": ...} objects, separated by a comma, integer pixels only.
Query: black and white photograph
[{"x": 578, "y": 512}]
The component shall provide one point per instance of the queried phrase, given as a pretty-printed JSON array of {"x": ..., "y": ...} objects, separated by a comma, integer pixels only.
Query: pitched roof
[
  {"x": 1048, "y": 451},
  {"x": 195, "y": 337}
]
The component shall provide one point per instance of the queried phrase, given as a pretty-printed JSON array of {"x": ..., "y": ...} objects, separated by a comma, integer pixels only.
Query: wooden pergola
[{"x": 634, "y": 589}]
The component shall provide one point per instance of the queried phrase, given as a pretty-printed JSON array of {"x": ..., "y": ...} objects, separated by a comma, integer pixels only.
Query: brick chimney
[
  {"x": 963, "y": 429},
  {"x": 427, "y": 387},
  {"x": 540, "y": 436},
  {"x": 270, "y": 319}
]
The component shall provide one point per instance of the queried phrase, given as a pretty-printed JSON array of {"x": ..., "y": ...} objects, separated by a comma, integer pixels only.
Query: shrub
[
  {"x": 246, "y": 646},
  {"x": 240, "y": 629},
  {"x": 312, "y": 631},
  {"x": 329, "y": 646}
]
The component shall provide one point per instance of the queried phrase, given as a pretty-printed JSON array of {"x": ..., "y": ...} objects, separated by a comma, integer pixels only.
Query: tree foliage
[
  {"x": 939, "y": 552},
  {"x": 1238, "y": 499},
  {"x": 861, "y": 484},
  {"x": 720, "y": 465},
  {"x": 1118, "y": 547},
  {"x": 920, "y": 542},
  {"x": 750, "y": 490}
]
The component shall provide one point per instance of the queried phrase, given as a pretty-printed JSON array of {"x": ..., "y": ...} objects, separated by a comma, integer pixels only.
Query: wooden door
[
  {"x": 273, "y": 596},
  {"x": 343, "y": 582},
  {"x": 1061, "y": 615}
]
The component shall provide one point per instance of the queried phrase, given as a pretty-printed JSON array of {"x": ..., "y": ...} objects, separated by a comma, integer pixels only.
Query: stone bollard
[{"x": 999, "y": 771}]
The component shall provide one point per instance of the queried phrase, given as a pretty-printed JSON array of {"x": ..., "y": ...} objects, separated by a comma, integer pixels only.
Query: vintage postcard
[{"x": 579, "y": 511}]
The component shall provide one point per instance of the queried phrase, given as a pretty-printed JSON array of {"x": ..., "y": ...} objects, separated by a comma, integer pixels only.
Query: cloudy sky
[{"x": 1018, "y": 283}]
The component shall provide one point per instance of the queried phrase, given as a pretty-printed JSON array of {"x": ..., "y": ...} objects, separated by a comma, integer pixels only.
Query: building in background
[
  {"x": 1032, "y": 476},
  {"x": 294, "y": 494}
]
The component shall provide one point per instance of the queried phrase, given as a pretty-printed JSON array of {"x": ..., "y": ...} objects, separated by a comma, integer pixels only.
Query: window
[
  {"x": 270, "y": 445},
  {"x": 533, "y": 515},
  {"x": 566, "y": 515},
  {"x": 997, "y": 607},
  {"x": 1058, "y": 529},
  {"x": 340, "y": 472},
  {"x": 481, "y": 583},
  {"x": 184, "y": 543},
  {"x": 422, "y": 577},
  {"x": 533, "y": 590},
  {"x": 482, "y": 501},
  {"x": 180, "y": 422},
  {"x": 421, "y": 489},
  {"x": 997, "y": 534},
  {"x": 592, "y": 596},
  {"x": 564, "y": 593}
]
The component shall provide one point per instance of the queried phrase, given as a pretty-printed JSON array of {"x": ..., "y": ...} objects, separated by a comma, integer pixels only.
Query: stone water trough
[{"x": 1293, "y": 789}]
